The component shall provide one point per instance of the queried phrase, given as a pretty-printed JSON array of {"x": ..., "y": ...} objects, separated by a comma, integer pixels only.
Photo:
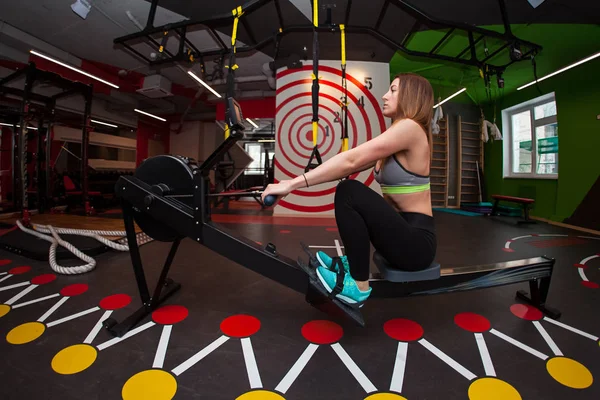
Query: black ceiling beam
[
  {"x": 412, "y": 31},
  {"x": 382, "y": 14},
  {"x": 420, "y": 15},
  {"x": 218, "y": 39},
  {"x": 446, "y": 36},
  {"x": 20, "y": 93},
  {"x": 489, "y": 57},
  {"x": 248, "y": 30},
  {"x": 462, "y": 53},
  {"x": 421, "y": 18}
]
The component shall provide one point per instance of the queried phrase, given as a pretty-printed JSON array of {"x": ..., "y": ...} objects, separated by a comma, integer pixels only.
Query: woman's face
[{"x": 390, "y": 100}]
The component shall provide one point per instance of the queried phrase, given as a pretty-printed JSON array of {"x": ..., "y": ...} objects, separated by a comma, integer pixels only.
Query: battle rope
[{"x": 56, "y": 240}]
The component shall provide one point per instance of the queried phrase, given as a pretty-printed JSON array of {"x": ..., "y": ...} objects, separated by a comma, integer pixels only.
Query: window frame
[{"x": 508, "y": 155}]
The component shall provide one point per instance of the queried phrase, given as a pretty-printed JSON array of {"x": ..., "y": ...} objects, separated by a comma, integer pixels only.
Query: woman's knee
[
  {"x": 348, "y": 186},
  {"x": 346, "y": 190}
]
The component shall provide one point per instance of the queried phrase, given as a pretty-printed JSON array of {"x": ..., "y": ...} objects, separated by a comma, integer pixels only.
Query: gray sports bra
[{"x": 395, "y": 179}]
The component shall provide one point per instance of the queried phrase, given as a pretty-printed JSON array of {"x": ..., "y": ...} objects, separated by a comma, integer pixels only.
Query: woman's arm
[{"x": 400, "y": 136}]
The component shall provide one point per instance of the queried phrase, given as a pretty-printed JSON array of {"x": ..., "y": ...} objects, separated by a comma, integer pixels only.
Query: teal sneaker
[
  {"x": 350, "y": 293},
  {"x": 327, "y": 262}
]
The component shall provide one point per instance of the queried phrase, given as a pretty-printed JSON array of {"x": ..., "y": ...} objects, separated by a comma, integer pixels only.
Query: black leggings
[{"x": 406, "y": 240}]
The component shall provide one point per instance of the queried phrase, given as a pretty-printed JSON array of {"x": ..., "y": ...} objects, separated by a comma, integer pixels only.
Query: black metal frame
[
  {"x": 474, "y": 33},
  {"x": 32, "y": 75}
]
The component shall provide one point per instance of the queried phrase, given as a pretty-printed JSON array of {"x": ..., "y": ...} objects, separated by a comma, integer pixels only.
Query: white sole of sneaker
[{"x": 321, "y": 261}]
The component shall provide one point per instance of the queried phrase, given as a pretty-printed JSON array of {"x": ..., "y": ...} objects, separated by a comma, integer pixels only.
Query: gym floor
[{"x": 232, "y": 334}]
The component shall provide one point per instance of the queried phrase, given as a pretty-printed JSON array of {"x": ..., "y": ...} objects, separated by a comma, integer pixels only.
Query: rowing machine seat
[{"x": 397, "y": 275}]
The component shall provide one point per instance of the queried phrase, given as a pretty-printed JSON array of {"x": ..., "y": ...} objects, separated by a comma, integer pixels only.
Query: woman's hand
[{"x": 279, "y": 190}]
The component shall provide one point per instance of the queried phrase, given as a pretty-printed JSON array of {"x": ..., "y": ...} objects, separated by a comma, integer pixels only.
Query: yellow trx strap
[
  {"x": 345, "y": 144},
  {"x": 226, "y": 131},
  {"x": 316, "y": 13},
  {"x": 237, "y": 13},
  {"x": 343, "y": 29}
]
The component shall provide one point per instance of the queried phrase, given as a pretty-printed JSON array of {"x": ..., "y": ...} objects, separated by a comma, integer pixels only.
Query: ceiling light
[
  {"x": 562, "y": 70},
  {"x": 252, "y": 123},
  {"x": 203, "y": 83},
  {"x": 18, "y": 126},
  {"x": 448, "y": 98},
  {"x": 148, "y": 114},
  {"x": 73, "y": 68},
  {"x": 104, "y": 123}
]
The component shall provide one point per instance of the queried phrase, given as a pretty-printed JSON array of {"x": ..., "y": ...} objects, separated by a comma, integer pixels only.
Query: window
[
  {"x": 530, "y": 133},
  {"x": 257, "y": 152}
]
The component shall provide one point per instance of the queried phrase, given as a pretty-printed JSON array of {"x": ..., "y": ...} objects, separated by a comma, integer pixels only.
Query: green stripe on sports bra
[{"x": 404, "y": 189}]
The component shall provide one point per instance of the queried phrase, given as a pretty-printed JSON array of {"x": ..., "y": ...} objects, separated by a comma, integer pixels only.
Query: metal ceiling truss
[{"x": 187, "y": 52}]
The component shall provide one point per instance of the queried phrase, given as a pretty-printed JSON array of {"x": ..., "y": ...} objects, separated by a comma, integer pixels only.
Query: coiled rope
[{"x": 40, "y": 230}]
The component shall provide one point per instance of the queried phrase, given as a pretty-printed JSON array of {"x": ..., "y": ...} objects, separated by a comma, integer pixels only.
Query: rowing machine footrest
[{"x": 397, "y": 275}]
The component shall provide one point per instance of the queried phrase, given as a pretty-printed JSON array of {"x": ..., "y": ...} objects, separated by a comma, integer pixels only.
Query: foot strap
[{"x": 339, "y": 283}]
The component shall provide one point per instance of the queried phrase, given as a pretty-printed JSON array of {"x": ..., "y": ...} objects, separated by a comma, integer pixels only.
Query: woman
[{"x": 400, "y": 224}]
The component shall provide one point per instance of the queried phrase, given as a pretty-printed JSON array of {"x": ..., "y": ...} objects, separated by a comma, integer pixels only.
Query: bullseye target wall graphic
[{"x": 366, "y": 83}]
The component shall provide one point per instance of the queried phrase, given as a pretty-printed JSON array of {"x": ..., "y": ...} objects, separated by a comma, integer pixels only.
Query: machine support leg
[{"x": 165, "y": 288}]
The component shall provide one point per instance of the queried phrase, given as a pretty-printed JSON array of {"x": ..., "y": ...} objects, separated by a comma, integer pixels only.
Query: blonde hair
[{"x": 415, "y": 102}]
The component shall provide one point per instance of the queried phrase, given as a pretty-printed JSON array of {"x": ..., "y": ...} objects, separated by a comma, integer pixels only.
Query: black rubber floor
[
  {"x": 19, "y": 242},
  {"x": 203, "y": 358}
]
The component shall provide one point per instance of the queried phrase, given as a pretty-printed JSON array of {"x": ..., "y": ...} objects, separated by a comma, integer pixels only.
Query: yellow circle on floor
[
  {"x": 74, "y": 359},
  {"x": 569, "y": 372},
  {"x": 153, "y": 384},
  {"x": 25, "y": 333},
  {"x": 260, "y": 395},
  {"x": 492, "y": 389},
  {"x": 385, "y": 396},
  {"x": 4, "y": 309}
]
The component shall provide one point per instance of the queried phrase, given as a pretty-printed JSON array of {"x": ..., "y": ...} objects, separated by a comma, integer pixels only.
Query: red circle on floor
[
  {"x": 19, "y": 270},
  {"x": 472, "y": 322},
  {"x": 588, "y": 284},
  {"x": 527, "y": 312},
  {"x": 322, "y": 332},
  {"x": 170, "y": 315},
  {"x": 508, "y": 250},
  {"x": 403, "y": 330},
  {"x": 115, "y": 301},
  {"x": 74, "y": 290},
  {"x": 5, "y": 262},
  {"x": 284, "y": 231},
  {"x": 580, "y": 266},
  {"x": 43, "y": 279},
  {"x": 240, "y": 326},
  {"x": 331, "y": 229}
]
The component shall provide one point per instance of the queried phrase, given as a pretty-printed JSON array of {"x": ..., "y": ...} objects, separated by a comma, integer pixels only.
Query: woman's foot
[
  {"x": 327, "y": 262},
  {"x": 351, "y": 292}
]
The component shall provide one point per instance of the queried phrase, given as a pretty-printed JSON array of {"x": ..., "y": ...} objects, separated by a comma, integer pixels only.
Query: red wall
[{"x": 259, "y": 108}]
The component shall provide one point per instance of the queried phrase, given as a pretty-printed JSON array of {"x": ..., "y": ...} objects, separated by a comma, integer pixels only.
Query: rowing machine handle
[{"x": 270, "y": 200}]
